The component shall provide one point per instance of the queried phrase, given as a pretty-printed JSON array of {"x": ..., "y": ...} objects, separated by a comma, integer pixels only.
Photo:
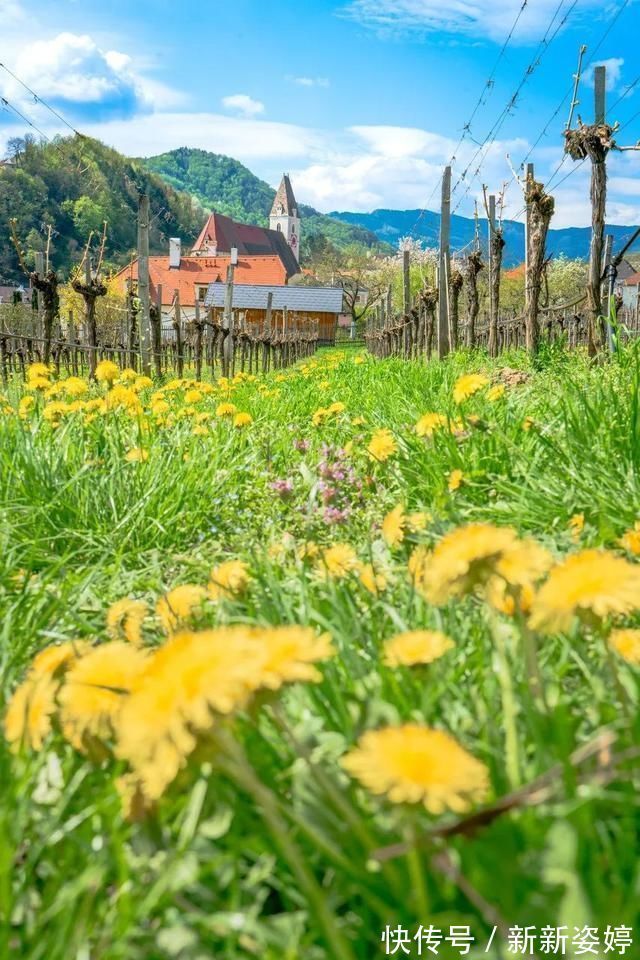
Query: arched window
[{"x": 278, "y": 228}]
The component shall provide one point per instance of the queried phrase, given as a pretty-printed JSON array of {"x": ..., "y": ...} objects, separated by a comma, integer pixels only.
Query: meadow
[{"x": 338, "y": 662}]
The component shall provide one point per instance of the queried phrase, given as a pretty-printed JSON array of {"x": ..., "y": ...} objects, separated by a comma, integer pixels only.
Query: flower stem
[{"x": 243, "y": 772}]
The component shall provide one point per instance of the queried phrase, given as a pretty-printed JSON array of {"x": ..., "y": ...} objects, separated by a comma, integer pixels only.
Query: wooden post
[
  {"x": 155, "y": 317},
  {"x": 39, "y": 262},
  {"x": 198, "y": 346},
  {"x": 443, "y": 277},
  {"x": 529, "y": 175},
  {"x": 227, "y": 324},
  {"x": 267, "y": 336},
  {"x": 177, "y": 326},
  {"x": 143, "y": 283},
  {"x": 607, "y": 291},
  {"x": 542, "y": 207},
  {"x": 496, "y": 246}
]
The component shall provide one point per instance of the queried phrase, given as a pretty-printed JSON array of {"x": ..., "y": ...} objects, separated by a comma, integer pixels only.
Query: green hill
[
  {"x": 222, "y": 184},
  {"x": 74, "y": 184}
]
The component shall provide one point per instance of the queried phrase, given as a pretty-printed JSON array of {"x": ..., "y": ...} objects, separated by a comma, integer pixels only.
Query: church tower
[{"x": 284, "y": 216}]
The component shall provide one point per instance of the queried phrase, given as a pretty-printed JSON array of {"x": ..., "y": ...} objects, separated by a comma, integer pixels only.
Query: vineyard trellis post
[
  {"x": 529, "y": 174},
  {"x": 496, "y": 246},
  {"x": 267, "y": 332},
  {"x": 541, "y": 207},
  {"x": 155, "y": 319},
  {"x": 177, "y": 327},
  {"x": 143, "y": 282},
  {"x": 227, "y": 324},
  {"x": 445, "y": 266}
]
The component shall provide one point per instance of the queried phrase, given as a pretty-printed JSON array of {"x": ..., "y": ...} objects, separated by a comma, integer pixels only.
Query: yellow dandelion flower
[
  {"x": 393, "y": 526},
  {"x": 528, "y": 424},
  {"x": 416, "y": 764},
  {"x": 107, "y": 371},
  {"x": 185, "y": 683},
  {"x": 38, "y": 383},
  {"x": 630, "y": 540},
  {"x": 74, "y": 387},
  {"x": 358, "y": 421},
  {"x": 454, "y": 483},
  {"x": 496, "y": 392},
  {"x": 25, "y": 406},
  {"x": 142, "y": 383},
  {"x": 371, "y": 579},
  {"x": 179, "y": 604},
  {"x": 128, "y": 375},
  {"x": 416, "y": 522},
  {"x": 416, "y": 646},
  {"x": 125, "y": 618},
  {"x": 429, "y": 423},
  {"x": 339, "y": 560},
  {"x": 507, "y": 598},
  {"x": 137, "y": 455},
  {"x": 464, "y": 559},
  {"x": 626, "y": 643},
  {"x": 382, "y": 445},
  {"x": 467, "y": 385},
  {"x": 193, "y": 396},
  {"x": 94, "y": 690},
  {"x": 242, "y": 420},
  {"x": 31, "y": 708},
  {"x": 120, "y": 397},
  {"x": 576, "y": 525},
  {"x": 38, "y": 371},
  {"x": 592, "y": 584},
  {"x": 288, "y": 654},
  {"x": 307, "y": 550},
  {"x": 28, "y": 717},
  {"x": 226, "y": 410},
  {"x": 228, "y": 579}
]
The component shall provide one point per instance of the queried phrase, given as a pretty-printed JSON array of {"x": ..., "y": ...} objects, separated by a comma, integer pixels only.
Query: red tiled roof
[
  {"x": 223, "y": 233},
  {"x": 633, "y": 280},
  {"x": 201, "y": 271}
]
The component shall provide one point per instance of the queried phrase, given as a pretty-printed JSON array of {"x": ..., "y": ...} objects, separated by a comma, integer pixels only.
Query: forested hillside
[
  {"x": 75, "y": 184},
  {"x": 226, "y": 186}
]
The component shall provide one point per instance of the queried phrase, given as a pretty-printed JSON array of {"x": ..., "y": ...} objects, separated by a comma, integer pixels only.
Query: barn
[{"x": 285, "y": 307}]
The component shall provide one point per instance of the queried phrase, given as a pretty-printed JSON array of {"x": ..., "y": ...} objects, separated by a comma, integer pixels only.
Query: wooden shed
[{"x": 289, "y": 307}]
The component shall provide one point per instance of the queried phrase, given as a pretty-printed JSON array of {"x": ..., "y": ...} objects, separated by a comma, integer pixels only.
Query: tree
[{"x": 356, "y": 270}]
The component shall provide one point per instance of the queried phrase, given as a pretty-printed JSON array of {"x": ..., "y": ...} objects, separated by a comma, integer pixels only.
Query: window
[{"x": 278, "y": 228}]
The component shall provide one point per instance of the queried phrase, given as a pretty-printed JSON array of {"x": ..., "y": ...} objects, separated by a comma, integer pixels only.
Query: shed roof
[{"x": 254, "y": 297}]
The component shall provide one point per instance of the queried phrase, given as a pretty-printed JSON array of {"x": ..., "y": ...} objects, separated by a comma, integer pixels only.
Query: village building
[
  {"x": 11, "y": 295},
  {"x": 287, "y": 308},
  {"x": 631, "y": 292},
  {"x": 261, "y": 256}
]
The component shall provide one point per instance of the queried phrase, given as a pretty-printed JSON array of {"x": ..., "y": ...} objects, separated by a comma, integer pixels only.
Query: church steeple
[{"x": 284, "y": 215}]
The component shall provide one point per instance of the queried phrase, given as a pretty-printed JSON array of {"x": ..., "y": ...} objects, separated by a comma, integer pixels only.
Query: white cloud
[
  {"x": 469, "y": 18},
  {"x": 614, "y": 71},
  {"x": 243, "y": 105},
  {"x": 310, "y": 81},
  {"x": 75, "y": 74},
  {"x": 365, "y": 167}
]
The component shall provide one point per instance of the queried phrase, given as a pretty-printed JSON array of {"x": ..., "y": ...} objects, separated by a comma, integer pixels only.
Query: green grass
[{"x": 215, "y": 871}]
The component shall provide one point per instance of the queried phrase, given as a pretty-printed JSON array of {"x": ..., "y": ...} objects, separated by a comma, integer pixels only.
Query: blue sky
[{"x": 362, "y": 101}]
